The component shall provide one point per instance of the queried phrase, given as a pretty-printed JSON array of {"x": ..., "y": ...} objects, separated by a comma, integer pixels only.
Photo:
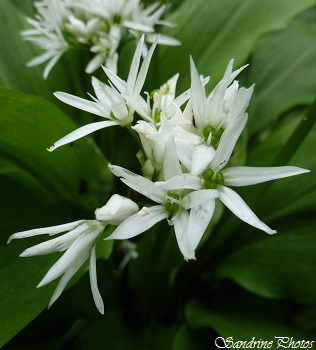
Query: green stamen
[
  {"x": 210, "y": 181},
  {"x": 172, "y": 207}
]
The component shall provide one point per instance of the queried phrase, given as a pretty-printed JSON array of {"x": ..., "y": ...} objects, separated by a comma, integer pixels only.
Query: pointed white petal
[
  {"x": 51, "y": 230},
  {"x": 200, "y": 217},
  {"x": 62, "y": 284},
  {"x": 58, "y": 244},
  {"x": 171, "y": 165},
  {"x": 198, "y": 198},
  {"x": 198, "y": 97},
  {"x": 245, "y": 176},
  {"x": 163, "y": 39},
  {"x": 77, "y": 102},
  {"x": 139, "y": 184},
  {"x": 131, "y": 79},
  {"x": 201, "y": 158},
  {"x": 180, "y": 222},
  {"x": 237, "y": 205},
  {"x": 143, "y": 70},
  {"x": 228, "y": 142},
  {"x": 116, "y": 81},
  {"x": 75, "y": 256},
  {"x": 183, "y": 181},
  {"x": 140, "y": 222},
  {"x": 94, "y": 63},
  {"x": 93, "y": 282},
  {"x": 81, "y": 132},
  {"x": 50, "y": 65}
]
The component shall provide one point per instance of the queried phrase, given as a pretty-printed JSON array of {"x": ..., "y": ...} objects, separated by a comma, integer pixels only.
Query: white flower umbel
[
  {"x": 98, "y": 26},
  {"x": 116, "y": 103},
  {"x": 79, "y": 242},
  {"x": 172, "y": 205}
]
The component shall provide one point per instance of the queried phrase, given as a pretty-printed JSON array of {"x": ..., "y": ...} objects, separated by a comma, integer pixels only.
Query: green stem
[{"x": 136, "y": 139}]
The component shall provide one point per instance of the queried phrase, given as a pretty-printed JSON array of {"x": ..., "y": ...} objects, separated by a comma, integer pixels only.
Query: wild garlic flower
[
  {"x": 116, "y": 102},
  {"x": 189, "y": 212},
  {"x": 227, "y": 102},
  {"x": 216, "y": 176},
  {"x": 97, "y": 26},
  {"x": 79, "y": 243}
]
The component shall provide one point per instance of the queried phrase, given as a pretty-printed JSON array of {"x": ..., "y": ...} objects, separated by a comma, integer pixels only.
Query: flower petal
[
  {"x": 201, "y": 158},
  {"x": 200, "y": 217},
  {"x": 139, "y": 184},
  {"x": 62, "y": 284},
  {"x": 180, "y": 222},
  {"x": 171, "y": 165},
  {"x": 227, "y": 142},
  {"x": 75, "y": 256},
  {"x": 139, "y": 222},
  {"x": 237, "y": 205},
  {"x": 81, "y": 132},
  {"x": 58, "y": 244},
  {"x": 245, "y": 176},
  {"x": 198, "y": 198},
  {"x": 183, "y": 181},
  {"x": 78, "y": 102},
  {"x": 198, "y": 97},
  {"x": 116, "y": 210},
  {"x": 93, "y": 282},
  {"x": 51, "y": 230}
]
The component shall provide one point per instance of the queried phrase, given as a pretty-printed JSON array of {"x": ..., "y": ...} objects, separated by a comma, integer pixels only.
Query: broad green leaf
[
  {"x": 243, "y": 317},
  {"x": 215, "y": 31},
  {"x": 279, "y": 266},
  {"x": 77, "y": 173},
  {"x": 281, "y": 67}
]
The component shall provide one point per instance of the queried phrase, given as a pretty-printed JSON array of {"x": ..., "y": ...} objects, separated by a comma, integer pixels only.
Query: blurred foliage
[{"x": 244, "y": 283}]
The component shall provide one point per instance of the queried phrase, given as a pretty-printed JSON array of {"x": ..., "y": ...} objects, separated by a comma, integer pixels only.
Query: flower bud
[{"x": 116, "y": 210}]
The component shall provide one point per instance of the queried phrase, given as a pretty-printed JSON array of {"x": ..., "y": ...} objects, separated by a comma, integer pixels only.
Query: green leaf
[
  {"x": 77, "y": 173},
  {"x": 279, "y": 266},
  {"x": 213, "y": 32},
  {"x": 281, "y": 67},
  {"x": 21, "y": 301},
  {"x": 242, "y": 316}
]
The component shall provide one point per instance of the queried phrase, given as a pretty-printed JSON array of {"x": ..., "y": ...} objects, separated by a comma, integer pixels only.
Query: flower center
[
  {"x": 216, "y": 134},
  {"x": 212, "y": 180},
  {"x": 172, "y": 207}
]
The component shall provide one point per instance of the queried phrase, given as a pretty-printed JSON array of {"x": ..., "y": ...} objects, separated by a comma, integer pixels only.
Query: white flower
[
  {"x": 46, "y": 34},
  {"x": 117, "y": 104},
  {"x": 95, "y": 25},
  {"x": 79, "y": 243},
  {"x": 172, "y": 205},
  {"x": 216, "y": 177},
  {"x": 225, "y": 104}
]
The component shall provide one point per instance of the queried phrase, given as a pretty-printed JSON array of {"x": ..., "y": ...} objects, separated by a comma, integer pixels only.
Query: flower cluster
[
  {"x": 98, "y": 26},
  {"x": 185, "y": 142}
]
